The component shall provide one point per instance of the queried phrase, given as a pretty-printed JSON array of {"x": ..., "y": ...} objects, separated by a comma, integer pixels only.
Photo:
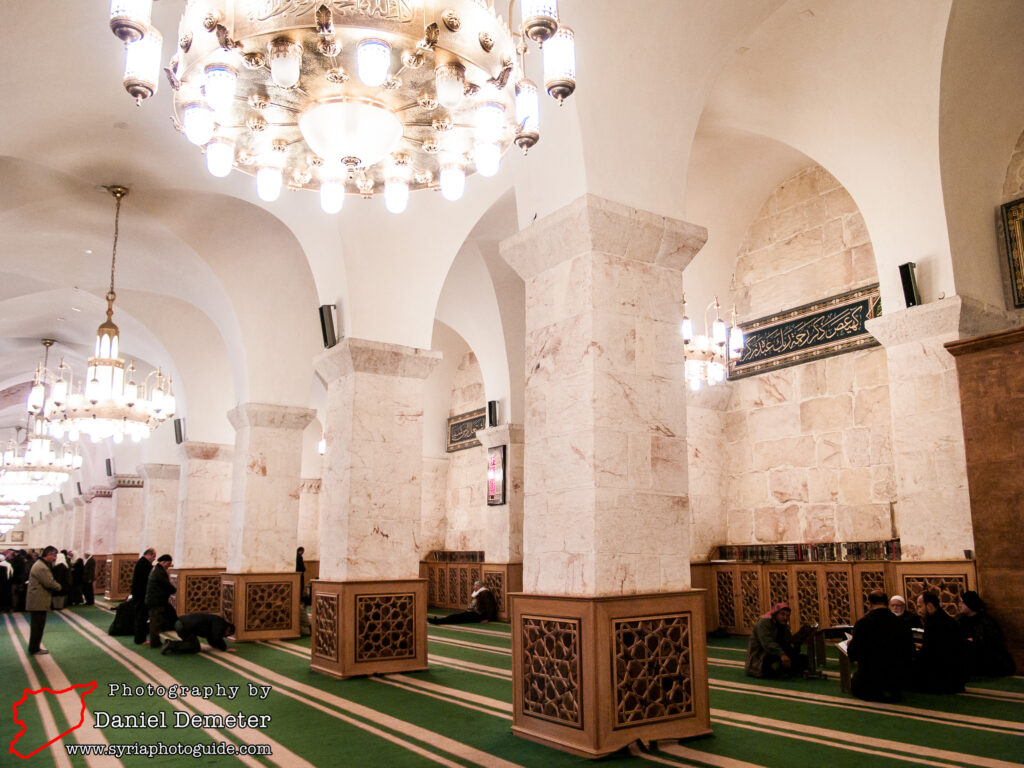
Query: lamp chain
[{"x": 117, "y": 219}]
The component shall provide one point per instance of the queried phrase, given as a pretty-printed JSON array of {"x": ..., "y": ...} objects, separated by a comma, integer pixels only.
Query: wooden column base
[
  {"x": 262, "y": 606},
  {"x": 198, "y": 590},
  {"x": 102, "y": 574},
  {"x": 369, "y": 627},
  {"x": 120, "y": 568},
  {"x": 449, "y": 585},
  {"x": 594, "y": 674}
]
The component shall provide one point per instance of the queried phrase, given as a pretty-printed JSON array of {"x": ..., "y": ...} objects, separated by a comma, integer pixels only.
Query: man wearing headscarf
[
  {"x": 63, "y": 577},
  {"x": 770, "y": 652},
  {"x": 898, "y": 607}
]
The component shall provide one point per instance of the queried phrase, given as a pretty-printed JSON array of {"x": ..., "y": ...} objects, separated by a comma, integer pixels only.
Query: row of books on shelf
[
  {"x": 823, "y": 552},
  {"x": 455, "y": 556}
]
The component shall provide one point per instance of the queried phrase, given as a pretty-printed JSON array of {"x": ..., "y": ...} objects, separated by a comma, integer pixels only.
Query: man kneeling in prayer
[
  {"x": 192, "y": 626},
  {"x": 482, "y": 608},
  {"x": 771, "y": 651}
]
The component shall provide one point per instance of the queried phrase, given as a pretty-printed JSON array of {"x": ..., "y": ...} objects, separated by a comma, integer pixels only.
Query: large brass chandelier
[
  {"x": 111, "y": 404},
  {"x": 11, "y": 513},
  {"x": 352, "y": 96},
  {"x": 707, "y": 354},
  {"x": 28, "y": 473}
]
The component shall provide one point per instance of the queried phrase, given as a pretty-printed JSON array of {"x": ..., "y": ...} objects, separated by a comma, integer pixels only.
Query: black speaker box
[
  {"x": 179, "y": 431},
  {"x": 492, "y": 413},
  {"x": 110, "y": 469},
  {"x": 327, "y": 325},
  {"x": 909, "y": 280}
]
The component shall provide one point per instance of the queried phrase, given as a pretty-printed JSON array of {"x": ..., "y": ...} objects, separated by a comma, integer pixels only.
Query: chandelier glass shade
[
  {"x": 11, "y": 513},
  {"x": 36, "y": 470},
  {"x": 353, "y": 96},
  {"x": 111, "y": 403},
  {"x": 707, "y": 355}
]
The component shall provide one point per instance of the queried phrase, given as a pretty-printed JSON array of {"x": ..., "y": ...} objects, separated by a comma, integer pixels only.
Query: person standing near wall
[
  {"x": 88, "y": 579},
  {"x": 158, "y": 595},
  {"x": 140, "y": 579}
]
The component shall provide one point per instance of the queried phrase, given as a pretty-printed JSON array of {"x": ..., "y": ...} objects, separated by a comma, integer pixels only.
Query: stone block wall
[
  {"x": 803, "y": 453},
  {"x": 466, "y": 482}
]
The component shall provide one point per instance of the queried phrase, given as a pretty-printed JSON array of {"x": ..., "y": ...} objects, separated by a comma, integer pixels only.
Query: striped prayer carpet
[{"x": 457, "y": 713}]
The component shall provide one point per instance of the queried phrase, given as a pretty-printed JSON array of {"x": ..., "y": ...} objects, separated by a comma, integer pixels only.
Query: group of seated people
[{"x": 884, "y": 648}]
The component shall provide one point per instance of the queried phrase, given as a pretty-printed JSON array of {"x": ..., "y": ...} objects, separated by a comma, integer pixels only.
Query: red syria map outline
[{"x": 89, "y": 688}]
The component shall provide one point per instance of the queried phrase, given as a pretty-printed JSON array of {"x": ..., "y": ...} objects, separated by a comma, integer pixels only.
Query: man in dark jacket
[
  {"x": 192, "y": 626},
  {"x": 882, "y": 647},
  {"x": 88, "y": 578},
  {"x": 140, "y": 579},
  {"x": 39, "y": 597},
  {"x": 158, "y": 595},
  {"x": 482, "y": 607},
  {"x": 77, "y": 575},
  {"x": 770, "y": 652},
  {"x": 940, "y": 666}
]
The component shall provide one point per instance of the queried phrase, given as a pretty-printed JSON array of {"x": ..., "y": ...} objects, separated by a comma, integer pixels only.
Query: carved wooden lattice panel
[
  {"x": 202, "y": 594},
  {"x": 453, "y": 586},
  {"x": 432, "y": 585},
  {"x": 778, "y": 587},
  {"x": 227, "y": 601},
  {"x": 837, "y": 595},
  {"x": 125, "y": 571},
  {"x": 869, "y": 581},
  {"x": 385, "y": 626},
  {"x": 807, "y": 603},
  {"x": 268, "y": 605},
  {"x": 173, "y": 599},
  {"x": 653, "y": 674},
  {"x": 495, "y": 581},
  {"x": 102, "y": 576},
  {"x": 948, "y": 588},
  {"x": 551, "y": 670},
  {"x": 442, "y": 586},
  {"x": 325, "y": 633},
  {"x": 464, "y": 585},
  {"x": 750, "y": 594},
  {"x": 726, "y": 600}
]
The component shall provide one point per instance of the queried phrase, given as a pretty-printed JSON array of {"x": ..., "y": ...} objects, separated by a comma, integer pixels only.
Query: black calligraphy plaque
[
  {"x": 462, "y": 429},
  {"x": 810, "y": 332},
  {"x": 1013, "y": 229}
]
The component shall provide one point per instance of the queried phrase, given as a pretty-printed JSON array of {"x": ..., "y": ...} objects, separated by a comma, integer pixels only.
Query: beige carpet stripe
[
  {"x": 788, "y": 734},
  {"x": 420, "y": 734},
  {"x": 992, "y": 693},
  {"x": 469, "y": 666},
  {"x": 477, "y": 630},
  {"x": 72, "y": 708},
  {"x": 476, "y": 698},
  {"x": 285, "y": 647},
  {"x": 148, "y": 672},
  {"x": 471, "y": 646},
  {"x": 885, "y": 744},
  {"x": 414, "y": 748},
  {"x": 50, "y": 729},
  {"x": 718, "y": 761},
  {"x": 457, "y": 701},
  {"x": 897, "y": 710}
]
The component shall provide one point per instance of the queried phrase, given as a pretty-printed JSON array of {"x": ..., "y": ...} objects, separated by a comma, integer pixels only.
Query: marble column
[
  {"x": 78, "y": 512},
  {"x": 201, "y": 525},
  {"x": 159, "y": 505},
  {"x": 370, "y": 506},
  {"x": 260, "y": 588},
  {"x": 606, "y": 536},
  {"x": 103, "y": 515},
  {"x": 309, "y": 518},
  {"x": 502, "y": 570},
  {"x": 933, "y": 508},
  {"x": 434, "y": 516},
  {"x": 127, "y": 541}
]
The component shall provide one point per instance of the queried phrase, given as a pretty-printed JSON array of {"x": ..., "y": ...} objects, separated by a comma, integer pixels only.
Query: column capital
[
  {"x": 194, "y": 449},
  {"x": 592, "y": 223},
  {"x": 159, "y": 471},
  {"x": 350, "y": 356},
  {"x": 269, "y": 415},
  {"x": 948, "y": 319},
  {"x": 503, "y": 434},
  {"x": 127, "y": 481}
]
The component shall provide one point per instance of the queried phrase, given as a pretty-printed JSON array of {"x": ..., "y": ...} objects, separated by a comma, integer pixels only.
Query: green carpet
[{"x": 459, "y": 711}]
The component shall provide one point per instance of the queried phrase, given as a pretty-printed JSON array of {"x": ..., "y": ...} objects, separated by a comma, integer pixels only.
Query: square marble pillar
[
  {"x": 159, "y": 505},
  {"x": 933, "y": 507},
  {"x": 370, "y": 507},
  {"x": 309, "y": 517},
  {"x": 265, "y": 487},
  {"x": 503, "y": 523},
  {"x": 606, "y": 513},
  {"x": 78, "y": 512},
  {"x": 127, "y": 499},
  {"x": 204, "y": 506},
  {"x": 101, "y": 507},
  {"x": 260, "y": 589}
]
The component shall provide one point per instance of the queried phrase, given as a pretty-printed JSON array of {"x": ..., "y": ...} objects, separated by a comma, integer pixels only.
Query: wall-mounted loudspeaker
[
  {"x": 909, "y": 280},
  {"x": 179, "y": 431},
  {"x": 492, "y": 413},
  {"x": 62, "y": 499},
  {"x": 110, "y": 469},
  {"x": 327, "y": 325},
  {"x": 79, "y": 487}
]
